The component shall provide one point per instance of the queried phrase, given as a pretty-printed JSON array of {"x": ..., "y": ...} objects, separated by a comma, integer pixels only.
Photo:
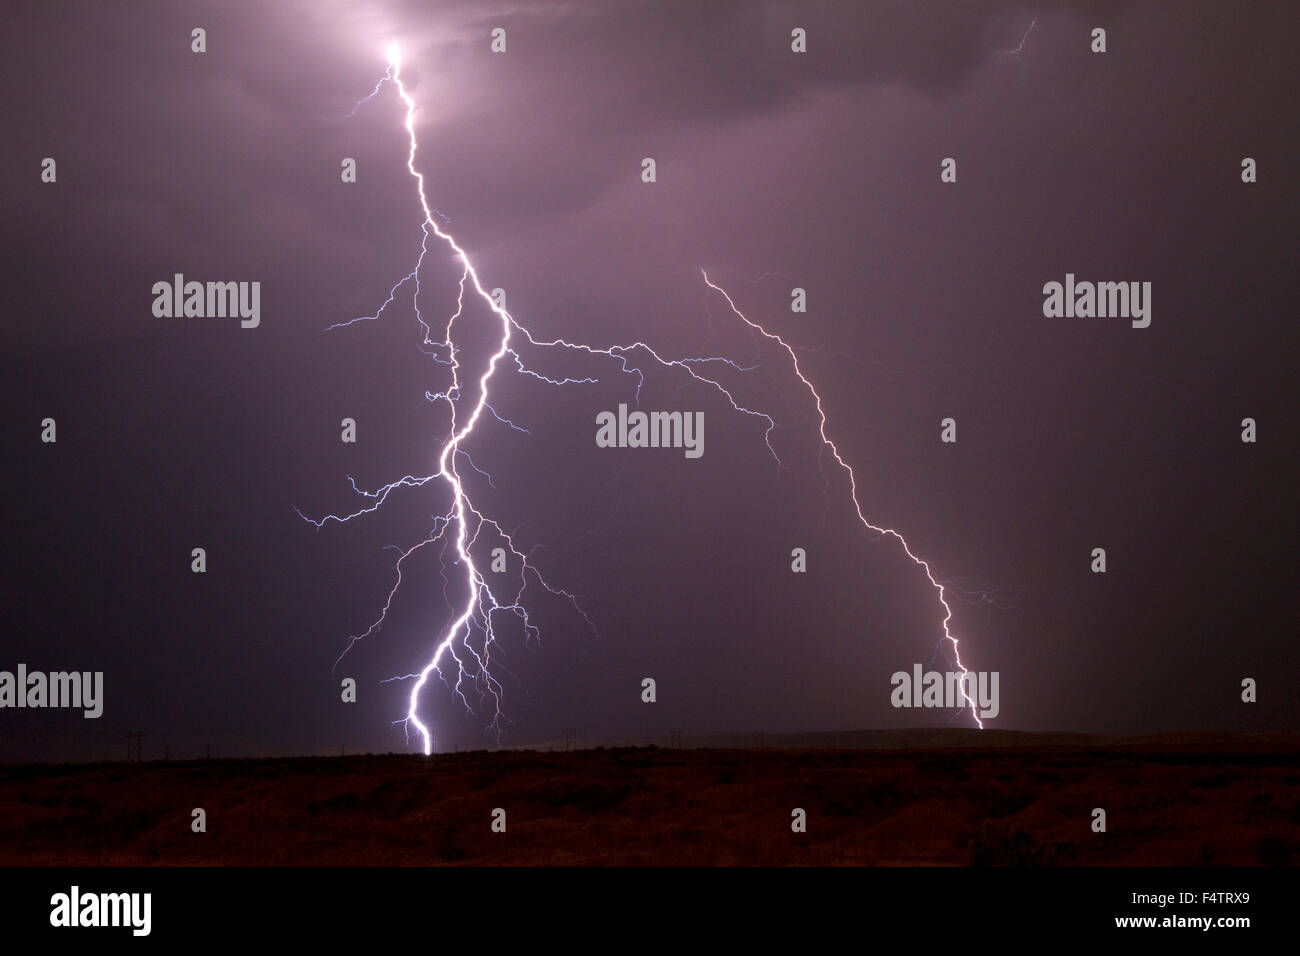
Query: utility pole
[{"x": 134, "y": 747}]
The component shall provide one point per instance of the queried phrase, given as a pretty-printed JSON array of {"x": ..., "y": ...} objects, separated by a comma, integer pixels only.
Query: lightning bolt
[
  {"x": 941, "y": 590},
  {"x": 1023, "y": 39},
  {"x": 462, "y": 523}
]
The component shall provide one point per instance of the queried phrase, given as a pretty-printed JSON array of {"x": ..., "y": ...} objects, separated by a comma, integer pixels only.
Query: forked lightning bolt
[{"x": 463, "y": 523}]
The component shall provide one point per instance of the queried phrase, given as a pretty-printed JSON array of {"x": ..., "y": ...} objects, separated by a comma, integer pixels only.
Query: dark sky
[{"x": 924, "y": 299}]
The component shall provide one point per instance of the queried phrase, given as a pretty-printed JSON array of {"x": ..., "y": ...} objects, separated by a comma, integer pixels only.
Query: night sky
[{"x": 774, "y": 170}]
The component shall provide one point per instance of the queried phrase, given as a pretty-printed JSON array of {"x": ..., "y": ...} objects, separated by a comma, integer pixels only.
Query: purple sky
[{"x": 924, "y": 302}]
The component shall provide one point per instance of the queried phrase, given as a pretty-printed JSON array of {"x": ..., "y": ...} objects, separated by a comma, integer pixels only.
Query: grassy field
[{"x": 1177, "y": 800}]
